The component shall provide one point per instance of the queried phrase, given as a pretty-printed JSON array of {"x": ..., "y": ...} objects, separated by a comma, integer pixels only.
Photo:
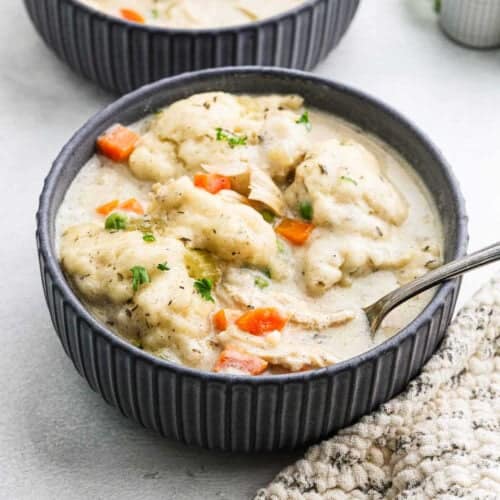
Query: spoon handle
[{"x": 377, "y": 311}]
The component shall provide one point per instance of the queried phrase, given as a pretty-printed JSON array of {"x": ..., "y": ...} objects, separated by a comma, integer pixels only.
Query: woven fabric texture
[{"x": 439, "y": 439}]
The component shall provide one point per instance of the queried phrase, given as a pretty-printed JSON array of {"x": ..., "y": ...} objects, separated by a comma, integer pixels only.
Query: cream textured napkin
[{"x": 439, "y": 439}]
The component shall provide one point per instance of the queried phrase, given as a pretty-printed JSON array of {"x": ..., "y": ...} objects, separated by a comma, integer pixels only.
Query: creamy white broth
[
  {"x": 196, "y": 14},
  {"x": 295, "y": 347}
]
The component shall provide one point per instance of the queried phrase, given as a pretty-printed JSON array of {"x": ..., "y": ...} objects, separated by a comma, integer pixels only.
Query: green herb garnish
[
  {"x": 154, "y": 13},
  {"x": 140, "y": 277},
  {"x": 148, "y": 237},
  {"x": 268, "y": 216},
  {"x": 306, "y": 210},
  {"x": 437, "y": 6},
  {"x": 304, "y": 118},
  {"x": 267, "y": 272},
  {"x": 348, "y": 179},
  {"x": 261, "y": 282},
  {"x": 232, "y": 139},
  {"x": 163, "y": 267},
  {"x": 280, "y": 245},
  {"x": 204, "y": 288},
  {"x": 115, "y": 222}
]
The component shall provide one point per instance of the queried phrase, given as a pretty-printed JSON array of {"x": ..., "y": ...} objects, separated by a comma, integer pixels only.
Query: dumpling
[
  {"x": 229, "y": 229},
  {"x": 345, "y": 185},
  {"x": 166, "y": 313},
  {"x": 331, "y": 259}
]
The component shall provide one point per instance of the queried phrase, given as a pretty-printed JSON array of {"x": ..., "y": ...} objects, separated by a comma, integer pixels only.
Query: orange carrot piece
[
  {"x": 213, "y": 183},
  {"x": 238, "y": 360},
  {"x": 117, "y": 143},
  {"x": 294, "y": 230},
  {"x": 261, "y": 320},
  {"x": 220, "y": 320},
  {"x": 107, "y": 208},
  {"x": 132, "y": 205},
  {"x": 132, "y": 15}
]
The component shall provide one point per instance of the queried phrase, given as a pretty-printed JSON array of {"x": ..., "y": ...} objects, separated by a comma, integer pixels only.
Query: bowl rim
[
  {"x": 151, "y": 28},
  {"x": 51, "y": 261}
]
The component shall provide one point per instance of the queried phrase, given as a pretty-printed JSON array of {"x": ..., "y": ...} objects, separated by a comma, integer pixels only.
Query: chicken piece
[
  {"x": 277, "y": 349},
  {"x": 231, "y": 230},
  {"x": 238, "y": 286},
  {"x": 347, "y": 190},
  {"x": 165, "y": 313}
]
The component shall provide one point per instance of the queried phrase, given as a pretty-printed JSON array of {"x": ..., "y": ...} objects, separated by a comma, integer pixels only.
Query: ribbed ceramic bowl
[
  {"x": 240, "y": 412},
  {"x": 121, "y": 56}
]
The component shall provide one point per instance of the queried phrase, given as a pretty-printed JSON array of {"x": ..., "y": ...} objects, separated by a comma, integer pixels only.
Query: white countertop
[{"x": 60, "y": 440}]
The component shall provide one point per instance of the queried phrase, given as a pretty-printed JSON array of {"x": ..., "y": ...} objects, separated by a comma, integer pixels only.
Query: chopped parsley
[
  {"x": 268, "y": 216},
  {"x": 148, "y": 237},
  {"x": 163, "y": 267},
  {"x": 204, "y": 288},
  {"x": 154, "y": 13},
  {"x": 280, "y": 245},
  {"x": 232, "y": 139},
  {"x": 140, "y": 277},
  {"x": 348, "y": 179},
  {"x": 261, "y": 282},
  {"x": 306, "y": 210},
  {"x": 116, "y": 222},
  {"x": 267, "y": 272},
  {"x": 304, "y": 118}
]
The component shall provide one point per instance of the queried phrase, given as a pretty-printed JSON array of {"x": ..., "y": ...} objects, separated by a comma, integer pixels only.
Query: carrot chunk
[
  {"x": 213, "y": 183},
  {"x": 294, "y": 230},
  {"x": 107, "y": 208},
  {"x": 238, "y": 360},
  {"x": 132, "y": 15},
  {"x": 220, "y": 320},
  {"x": 117, "y": 143},
  {"x": 132, "y": 205},
  {"x": 260, "y": 321}
]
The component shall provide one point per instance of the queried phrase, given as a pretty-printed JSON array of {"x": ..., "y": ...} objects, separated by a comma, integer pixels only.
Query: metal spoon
[{"x": 377, "y": 311}]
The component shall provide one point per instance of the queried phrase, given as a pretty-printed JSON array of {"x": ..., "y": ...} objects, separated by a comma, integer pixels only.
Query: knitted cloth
[{"x": 439, "y": 439}]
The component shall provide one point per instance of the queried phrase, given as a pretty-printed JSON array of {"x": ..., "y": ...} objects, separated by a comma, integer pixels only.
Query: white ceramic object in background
[{"x": 475, "y": 23}]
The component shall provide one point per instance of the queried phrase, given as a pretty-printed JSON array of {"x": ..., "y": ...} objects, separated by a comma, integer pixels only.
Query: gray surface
[{"x": 60, "y": 440}]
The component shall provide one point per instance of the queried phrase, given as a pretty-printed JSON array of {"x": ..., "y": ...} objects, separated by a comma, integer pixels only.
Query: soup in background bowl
[{"x": 193, "y": 14}]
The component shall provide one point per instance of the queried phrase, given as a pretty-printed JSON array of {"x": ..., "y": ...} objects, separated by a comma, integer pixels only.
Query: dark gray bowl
[
  {"x": 240, "y": 412},
  {"x": 121, "y": 56}
]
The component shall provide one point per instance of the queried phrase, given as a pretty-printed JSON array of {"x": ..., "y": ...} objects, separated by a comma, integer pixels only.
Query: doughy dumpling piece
[
  {"x": 100, "y": 261},
  {"x": 155, "y": 160},
  {"x": 192, "y": 125},
  {"x": 195, "y": 152},
  {"x": 177, "y": 317},
  {"x": 168, "y": 312},
  {"x": 329, "y": 259},
  {"x": 231, "y": 230},
  {"x": 284, "y": 141},
  {"x": 199, "y": 116},
  {"x": 344, "y": 183},
  {"x": 261, "y": 105}
]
